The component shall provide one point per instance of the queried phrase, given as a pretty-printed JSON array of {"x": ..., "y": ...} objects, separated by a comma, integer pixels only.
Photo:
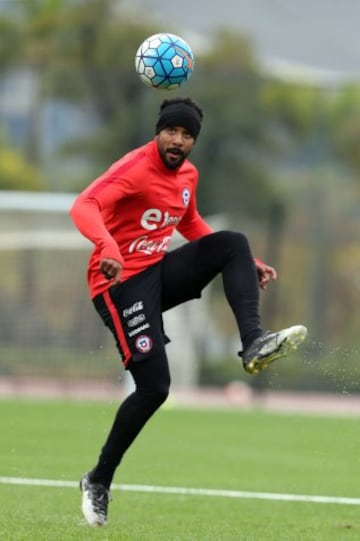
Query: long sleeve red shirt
[{"x": 131, "y": 211}]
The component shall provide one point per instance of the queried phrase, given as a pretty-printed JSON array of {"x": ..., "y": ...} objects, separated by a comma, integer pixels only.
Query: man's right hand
[{"x": 111, "y": 269}]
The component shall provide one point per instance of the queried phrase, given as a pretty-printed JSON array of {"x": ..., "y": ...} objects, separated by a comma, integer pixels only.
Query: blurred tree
[
  {"x": 346, "y": 126},
  {"x": 313, "y": 123},
  {"x": 320, "y": 130},
  {"x": 234, "y": 148},
  {"x": 271, "y": 152},
  {"x": 80, "y": 53},
  {"x": 16, "y": 173},
  {"x": 9, "y": 42}
]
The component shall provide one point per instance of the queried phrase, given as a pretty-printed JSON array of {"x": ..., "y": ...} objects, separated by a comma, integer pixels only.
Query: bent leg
[{"x": 189, "y": 269}]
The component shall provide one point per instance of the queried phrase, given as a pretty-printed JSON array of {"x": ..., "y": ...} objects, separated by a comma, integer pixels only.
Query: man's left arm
[{"x": 194, "y": 228}]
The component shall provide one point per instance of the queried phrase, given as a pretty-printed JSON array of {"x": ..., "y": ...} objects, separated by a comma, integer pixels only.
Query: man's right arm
[{"x": 87, "y": 217}]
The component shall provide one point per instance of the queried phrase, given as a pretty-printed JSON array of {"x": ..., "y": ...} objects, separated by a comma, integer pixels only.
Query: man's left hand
[{"x": 265, "y": 273}]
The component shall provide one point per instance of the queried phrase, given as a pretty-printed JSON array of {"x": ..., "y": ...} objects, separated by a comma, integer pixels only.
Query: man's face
[{"x": 175, "y": 144}]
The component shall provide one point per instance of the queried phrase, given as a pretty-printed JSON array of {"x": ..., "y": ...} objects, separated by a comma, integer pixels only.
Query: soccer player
[{"x": 130, "y": 213}]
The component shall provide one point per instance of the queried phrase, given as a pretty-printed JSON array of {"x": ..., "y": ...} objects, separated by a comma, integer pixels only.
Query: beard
[{"x": 173, "y": 157}]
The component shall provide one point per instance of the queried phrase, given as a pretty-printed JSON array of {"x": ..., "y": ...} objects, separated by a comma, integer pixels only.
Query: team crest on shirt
[
  {"x": 143, "y": 343},
  {"x": 186, "y": 196}
]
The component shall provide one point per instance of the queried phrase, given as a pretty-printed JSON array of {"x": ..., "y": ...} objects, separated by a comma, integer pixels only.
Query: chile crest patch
[
  {"x": 186, "y": 196},
  {"x": 143, "y": 343}
]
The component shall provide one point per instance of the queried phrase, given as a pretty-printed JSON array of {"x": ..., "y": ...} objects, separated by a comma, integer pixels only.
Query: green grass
[{"x": 250, "y": 451}]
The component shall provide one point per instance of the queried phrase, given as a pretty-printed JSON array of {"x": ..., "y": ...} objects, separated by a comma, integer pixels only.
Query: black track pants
[{"x": 181, "y": 276}]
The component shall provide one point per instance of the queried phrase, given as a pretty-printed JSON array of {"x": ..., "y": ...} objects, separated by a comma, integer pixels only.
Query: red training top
[{"x": 131, "y": 211}]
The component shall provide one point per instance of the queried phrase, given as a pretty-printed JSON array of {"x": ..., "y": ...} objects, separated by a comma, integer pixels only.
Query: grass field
[{"x": 229, "y": 450}]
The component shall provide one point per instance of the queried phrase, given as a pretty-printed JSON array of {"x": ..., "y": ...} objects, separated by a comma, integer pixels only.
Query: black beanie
[{"x": 179, "y": 114}]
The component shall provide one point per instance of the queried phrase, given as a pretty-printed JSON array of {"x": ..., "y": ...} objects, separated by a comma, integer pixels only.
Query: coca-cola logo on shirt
[{"x": 148, "y": 246}]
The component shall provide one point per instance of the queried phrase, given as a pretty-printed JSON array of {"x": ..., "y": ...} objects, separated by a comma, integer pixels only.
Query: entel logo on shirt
[{"x": 156, "y": 219}]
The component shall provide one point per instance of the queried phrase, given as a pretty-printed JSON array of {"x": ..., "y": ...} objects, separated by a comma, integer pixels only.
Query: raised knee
[{"x": 233, "y": 240}]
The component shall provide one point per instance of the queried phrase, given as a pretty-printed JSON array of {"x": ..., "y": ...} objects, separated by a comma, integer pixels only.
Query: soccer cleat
[
  {"x": 95, "y": 500},
  {"x": 271, "y": 346}
]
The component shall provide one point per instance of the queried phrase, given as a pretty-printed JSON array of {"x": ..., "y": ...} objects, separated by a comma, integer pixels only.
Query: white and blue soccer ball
[{"x": 164, "y": 61}]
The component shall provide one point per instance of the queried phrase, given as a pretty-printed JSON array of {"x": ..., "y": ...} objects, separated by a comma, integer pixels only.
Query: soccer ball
[{"x": 164, "y": 61}]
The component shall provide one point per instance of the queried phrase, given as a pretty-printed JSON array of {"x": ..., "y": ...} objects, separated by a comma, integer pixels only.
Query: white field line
[{"x": 189, "y": 491}]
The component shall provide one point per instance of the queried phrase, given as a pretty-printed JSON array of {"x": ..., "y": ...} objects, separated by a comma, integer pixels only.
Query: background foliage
[{"x": 278, "y": 160}]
